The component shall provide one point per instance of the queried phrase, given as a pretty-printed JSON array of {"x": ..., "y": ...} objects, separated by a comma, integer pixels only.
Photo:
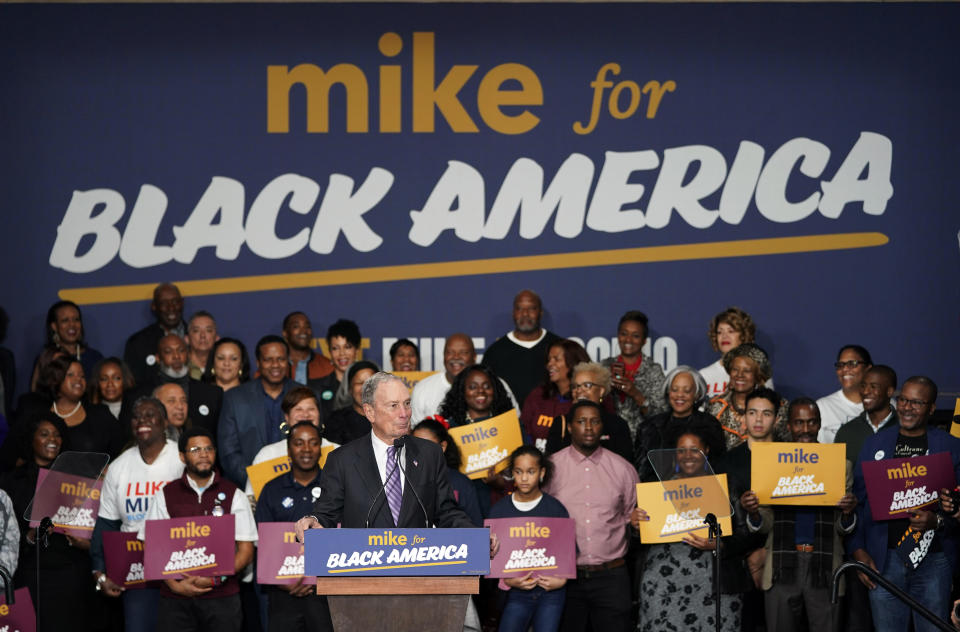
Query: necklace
[{"x": 70, "y": 414}]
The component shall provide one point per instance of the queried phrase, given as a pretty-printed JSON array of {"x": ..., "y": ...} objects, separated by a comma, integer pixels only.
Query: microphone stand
[
  {"x": 714, "y": 532},
  {"x": 42, "y": 541}
]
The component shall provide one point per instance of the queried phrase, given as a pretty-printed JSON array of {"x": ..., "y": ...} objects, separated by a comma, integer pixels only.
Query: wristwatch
[{"x": 101, "y": 581}]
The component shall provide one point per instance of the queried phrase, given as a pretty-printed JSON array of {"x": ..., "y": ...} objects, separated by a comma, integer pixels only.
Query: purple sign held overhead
[
  {"x": 895, "y": 487},
  {"x": 543, "y": 546},
  {"x": 123, "y": 553},
  {"x": 195, "y": 545}
]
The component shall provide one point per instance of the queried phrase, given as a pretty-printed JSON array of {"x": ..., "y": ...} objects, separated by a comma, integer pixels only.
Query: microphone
[
  {"x": 398, "y": 444},
  {"x": 710, "y": 520},
  {"x": 383, "y": 487}
]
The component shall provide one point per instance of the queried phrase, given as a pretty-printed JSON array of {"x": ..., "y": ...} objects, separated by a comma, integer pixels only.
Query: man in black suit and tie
[{"x": 355, "y": 473}]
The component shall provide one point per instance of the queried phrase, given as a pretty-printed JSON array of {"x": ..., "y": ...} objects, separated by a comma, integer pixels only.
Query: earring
[
  {"x": 213, "y": 372},
  {"x": 56, "y": 338},
  {"x": 240, "y": 372},
  {"x": 676, "y": 468},
  {"x": 541, "y": 479}
]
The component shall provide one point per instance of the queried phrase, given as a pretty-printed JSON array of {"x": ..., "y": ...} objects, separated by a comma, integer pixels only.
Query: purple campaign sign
[
  {"x": 70, "y": 501},
  {"x": 544, "y": 546},
  {"x": 195, "y": 545},
  {"x": 19, "y": 617},
  {"x": 124, "y": 557},
  {"x": 279, "y": 555},
  {"x": 895, "y": 486}
]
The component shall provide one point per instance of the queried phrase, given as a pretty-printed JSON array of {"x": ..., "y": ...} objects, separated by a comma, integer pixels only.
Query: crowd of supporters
[{"x": 186, "y": 410}]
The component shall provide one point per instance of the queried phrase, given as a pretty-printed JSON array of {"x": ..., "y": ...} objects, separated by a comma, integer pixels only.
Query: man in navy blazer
[
  {"x": 876, "y": 543},
  {"x": 251, "y": 416},
  {"x": 354, "y": 474}
]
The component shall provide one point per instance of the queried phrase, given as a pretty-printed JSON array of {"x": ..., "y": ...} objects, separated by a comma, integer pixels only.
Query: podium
[
  {"x": 401, "y": 579},
  {"x": 404, "y": 604}
]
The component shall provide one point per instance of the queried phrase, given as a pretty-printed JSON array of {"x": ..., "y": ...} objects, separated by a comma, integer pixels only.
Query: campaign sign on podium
[
  {"x": 195, "y": 545},
  {"x": 386, "y": 552},
  {"x": 123, "y": 554},
  {"x": 18, "y": 617}
]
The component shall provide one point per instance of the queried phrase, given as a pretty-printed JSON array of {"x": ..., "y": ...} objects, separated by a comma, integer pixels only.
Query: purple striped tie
[{"x": 394, "y": 494}]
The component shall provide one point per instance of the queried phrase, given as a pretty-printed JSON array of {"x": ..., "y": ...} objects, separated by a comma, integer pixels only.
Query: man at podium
[{"x": 362, "y": 485}]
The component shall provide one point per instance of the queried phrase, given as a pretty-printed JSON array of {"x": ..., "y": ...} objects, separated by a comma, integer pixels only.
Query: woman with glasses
[
  {"x": 836, "y": 409},
  {"x": 591, "y": 381}
]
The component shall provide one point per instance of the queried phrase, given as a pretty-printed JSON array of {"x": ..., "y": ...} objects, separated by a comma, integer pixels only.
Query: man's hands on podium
[
  {"x": 305, "y": 523},
  {"x": 310, "y": 522}
]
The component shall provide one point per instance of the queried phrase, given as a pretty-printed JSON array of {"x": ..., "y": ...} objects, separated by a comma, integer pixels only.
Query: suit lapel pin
[{"x": 415, "y": 464}]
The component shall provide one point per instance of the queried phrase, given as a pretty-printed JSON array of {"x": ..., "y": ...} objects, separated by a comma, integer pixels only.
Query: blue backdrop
[{"x": 794, "y": 160}]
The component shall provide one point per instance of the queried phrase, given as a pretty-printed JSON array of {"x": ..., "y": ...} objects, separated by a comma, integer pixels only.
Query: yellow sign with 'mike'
[{"x": 798, "y": 473}]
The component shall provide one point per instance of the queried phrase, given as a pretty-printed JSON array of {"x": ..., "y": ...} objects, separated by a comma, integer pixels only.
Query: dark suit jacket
[
  {"x": 242, "y": 430},
  {"x": 350, "y": 481},
  {"x": 139, "y": 347},
  {"x": 203, "y": 401}
]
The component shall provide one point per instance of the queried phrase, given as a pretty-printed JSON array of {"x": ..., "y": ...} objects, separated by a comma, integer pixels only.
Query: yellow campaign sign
[
  {"x": 262, "y": 473},
  {"x": 411, "y": 378},
  {"x": 487, "y": 444},
  {"x": 678, "y": 507},
  {"x": 798, "y": 473},
  {"x": 955, "y": 426}
]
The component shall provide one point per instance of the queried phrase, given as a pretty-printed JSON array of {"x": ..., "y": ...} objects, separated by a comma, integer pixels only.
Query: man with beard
[
  {"x": 917, "y": 553},
  {"x": 804, "y": 545},
  {"x": 128, "y": 489},
  {"x": 252, "y": 412},
  {"x": 195, "y": 602},
  {"x": 519, "y": 357},
  {"x": 286, "y": 499},
  {"x": 203, "y": 400},
  {"x": 167, "y": 308},
  {"x": 428, "y": 394}
]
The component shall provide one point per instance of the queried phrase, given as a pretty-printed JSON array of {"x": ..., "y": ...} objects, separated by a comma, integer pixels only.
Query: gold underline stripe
[
  {"x": 445, "y": 269},
  {"x": 532, "y": 568},
  {"x": 190, "y": 570},
  {"x": 383, "y": 568}
]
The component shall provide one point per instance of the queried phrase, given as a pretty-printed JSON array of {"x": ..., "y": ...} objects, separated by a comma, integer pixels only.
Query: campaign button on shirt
[
  {"x": 203, "y": 409},
  {"x": 151, "y": 360}
]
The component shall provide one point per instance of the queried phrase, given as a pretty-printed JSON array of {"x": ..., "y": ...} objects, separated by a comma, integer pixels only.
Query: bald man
[
  {"x": 519, "y": 356},
  {"x": 428, "y": 394}
]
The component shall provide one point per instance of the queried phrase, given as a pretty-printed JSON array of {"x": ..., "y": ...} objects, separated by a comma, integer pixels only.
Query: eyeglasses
[
  {"x": 586, "y": 385},
  {"x": 197, "y": 449},
  {"x": 849, "y": 364},
  {"x": 911, "y": 403}
]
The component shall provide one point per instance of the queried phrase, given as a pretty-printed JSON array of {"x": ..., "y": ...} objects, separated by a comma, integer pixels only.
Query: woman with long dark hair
[{"x": 552, "y": 398}]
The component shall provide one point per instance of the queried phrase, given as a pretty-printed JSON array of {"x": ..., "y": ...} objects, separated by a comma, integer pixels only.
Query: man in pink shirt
[{"x": 599, "y": 490}]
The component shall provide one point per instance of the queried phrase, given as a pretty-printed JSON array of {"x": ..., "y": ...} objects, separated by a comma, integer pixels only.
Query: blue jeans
[
  {"x": 540, "y": 608},
  {"x": 929, "y": 584}
]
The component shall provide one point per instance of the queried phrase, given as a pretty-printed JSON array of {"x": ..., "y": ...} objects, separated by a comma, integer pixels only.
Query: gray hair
[
  {"x": 600, "y": 373},
  {"x": 372, "y": 383},
  {"x": 698, "y": 380}
]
